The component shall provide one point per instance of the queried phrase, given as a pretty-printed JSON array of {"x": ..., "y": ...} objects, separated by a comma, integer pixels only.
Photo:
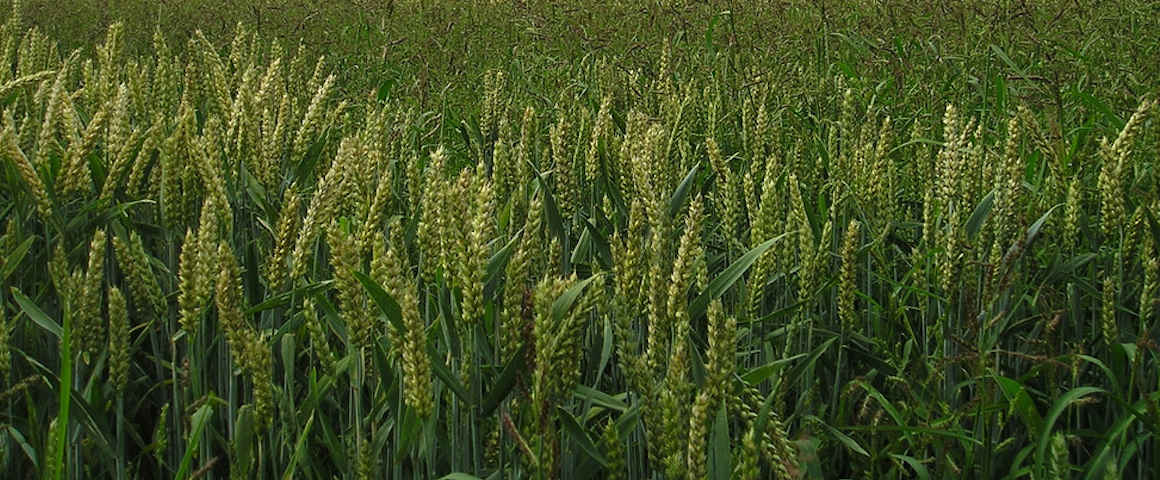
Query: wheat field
[{"x": 855, "y": 253}]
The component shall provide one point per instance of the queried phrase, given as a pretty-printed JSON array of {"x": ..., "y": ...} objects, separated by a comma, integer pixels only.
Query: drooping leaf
[{"x": 725, "y": 279}]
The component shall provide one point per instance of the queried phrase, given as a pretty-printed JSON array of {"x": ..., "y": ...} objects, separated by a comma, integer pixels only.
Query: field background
[{"x": 582, "y": 239}]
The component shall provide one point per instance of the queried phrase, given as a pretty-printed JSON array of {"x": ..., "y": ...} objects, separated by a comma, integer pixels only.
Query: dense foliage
[{"x": 580, "y": 240}]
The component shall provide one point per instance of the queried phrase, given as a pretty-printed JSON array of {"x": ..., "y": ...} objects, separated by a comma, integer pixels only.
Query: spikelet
[
  {"x": 346, "y": 259},
  {"x": 722, "y": 343},
  {"x": 52, "y": 450},
  {"x": 228, "y": 298},
  {"x": 25, "y": 169},
  {"x": 432, "y": 222},
  {"x": 655, "y": 293},
  {"x": 247, "y": 346},
  {"x": 773, "y": 442},
  {"x": 526, "y": 150},
  {"x": 118, "y": 340},
  {"x": 324, "y": 207},
  {"x": 490, "y": 108},
  {"x": 600, "y": 129},
  {"x": 1059, "y": 466},
  {"x": 377, "y": 208},
  {"x": 274, "y": 125},
  {"x": 846, "y": 285},
  {"x": 165, "y": 72},
  {"x": 20, "y": 82},
  {"x": 311, "y": 121},
  {"x": 747, "y": 464},
  {"x": 288, "y": 221},
  {"x": 1115, "y": 156},
  {"x": 161, "y": 433},
  {"x": 556, "y": 342},
  {"x": 547, "y": 380},
  {"x": 767, "y": 217},
  {"x": 58, "y": 271},
  {"x": 89, "y": 334},
  {"x": 503, "y": 168},
  {"x": 678, "y": 388},
  {"x": 613, "y": 450},
  {"x": 47, "y": 142},
  {"x": 143, "y": 285},
  {"x": 697, "y": 458},
  {"x": 567, "y": 187},
  {"x": 474, "y": 254},
  {"x": 688, "y": 253},
  {"x": 416, "y": 363},
  {"x": 518, "y": 276},
  {"x": 260, "y": 364},
  {"x": 1072, "y": 208},
  {"x": 1008, "y": 185},
  {"x": 318, "y": 336},
  {"x": 365, "y": 466},
  {"x": 1108, "y": 325},
  {"x": 728, "y": 195},
  {"x": 193, "y": 288},
  {"x": 1151, "y": 284},
  {"x": 136, "y": 184},
  {"x": 173, "y": 198}
]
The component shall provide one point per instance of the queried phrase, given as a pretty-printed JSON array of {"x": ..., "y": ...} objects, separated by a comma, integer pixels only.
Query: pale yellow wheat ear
[
  {"x": 90, "y": 325},
  {"x": 24, "y": 167},
  {"x": 848, "y": 278},
  {"x": 143, "y": 285},
  {"x": 118, "y": 340},
  {"x": 346, "y": 259},
  {"x": 275, "y": 267}
]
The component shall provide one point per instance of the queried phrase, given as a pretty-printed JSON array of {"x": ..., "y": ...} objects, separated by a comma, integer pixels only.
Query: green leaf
[
  {"x": 285, "y": 298},
  {"x": 1072, "y": 396},
  {"x": 720, "y": 460},
  {"x": 982, "y": 211},
  {"x": 506, "y": 381},
  {"x": 843, "y": 438},
  {"x": 759, "y": 374},
  {"x": 459, "y": 476},
  {"x": 243, "y": 438},
  {"x": 387, "y": 304},
  {"x": 583, "y": 246},
  {"x": 564, "y": 302},
  {"x": 919, "y": 469},
  {"x": 605, "y": 348},
  {"x": 677, "y": 200},
  {"x": 1021, "y": 402},
  {"x": 449, "y": 379},
  {"x": 628, "y": 421},
  {"x": 719, "y": 285},
  {"x": 24, "y": 446},
  {"x": 882, "y": 402},
  {"x": 15, "y": 257},
  {"x": 1033, "y": 231},
  {"x": 299, "y": 449},
  {"x": 1007, "y": 60},
  {"x": 200, "y": 419},
  {"x": 599, "y": 243},
  {"x": 495, "y": 267},
  {"x": 551, "y": 211},
  {"x": 597, "y": 397},
  {"x": 36, "y": 314},
  {"x": 763, "y": 413},
  {"x": 579, "y": 436}
]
